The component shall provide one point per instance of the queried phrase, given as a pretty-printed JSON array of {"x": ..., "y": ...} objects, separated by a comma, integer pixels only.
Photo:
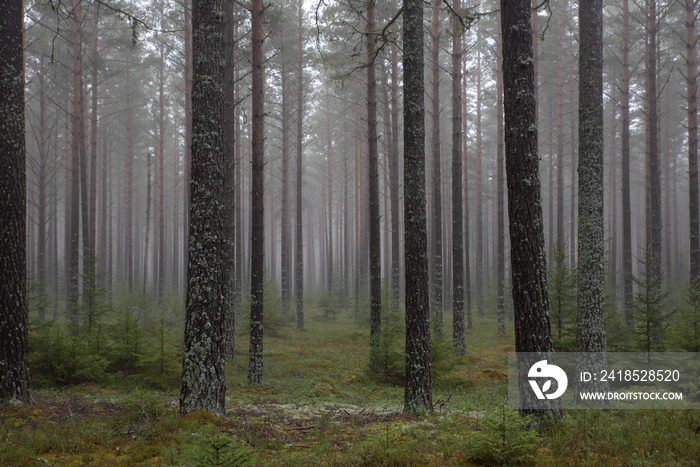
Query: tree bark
[
  {"x": 160, "y": 196},
  {"x": 257, "y": 250},
  {"x": 76, "y": 139},
  {"x": 14, "y": 349},
  {"x": 529, "y": 271},
  {"x": 417, "y": 396},
  {"x": 285, "y": 230},
  {"x": 436, "y": 218},
  {"x": 590, "y": 317},
  {"x": 394, "y": 181},
  {"x": 500, "y": 234},
  {"x": 692, "y": 89},
  {"x": 458, "y": 336},
  {"x": 374, "y": 217},
  {"x": 230, "y": 167},
  {"x": 299, "y": 251},
  {"x": 625, "y": 170},
  {"x": 654, "y": 223},
  {"x": 203, "y": 384}
]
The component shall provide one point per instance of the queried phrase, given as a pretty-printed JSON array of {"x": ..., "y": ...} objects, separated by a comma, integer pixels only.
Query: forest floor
[{"x": 318, "y": 406}]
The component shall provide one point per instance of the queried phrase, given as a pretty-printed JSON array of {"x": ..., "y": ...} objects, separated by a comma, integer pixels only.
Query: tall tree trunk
[
  {"x": 189, "y": 70},
  {"x": 394, "y": 181},
  {"x": 574, "y": 163},
  {"x": 467, "y": 259},
  {"x": 479, "y": 247},
  {"x": 437, "y": 176},
  {"x": 560, "y": 128},
  {"x": 239, "y": 257},
  {"x": 692, "y": 89},
  {"x": 42, "y": 187},
  {"x": 14, "y": 349},
  {"x": 625, "y": 170},
  {"x": 613, "y": 272},
  {"x": 375, "y": 253},
  {"x": 501, "y": 233},
  {"x": 285, "y": 234},
  {"x": 346, "y": 225},
  {"x": 144, "y": 301},
  {"x": 175, "y": 273},
  {"x": 229, "y": 135},
  {"x": 529, "y": 271},
  {"x": 160, "y": 197},
  {"x": 90, "y": 273},
  {"x": 299, "y": 251},
  {"x": 590, "y": 316},
  {"x": 203, "y": 384},
  {"x": 417, "y": 396},
  {"x": 654, "y": 224},
  {"x": 329, "y": 141},
  {"x": 458, "y": 336},
  {"x": 257, "y": 192},
  {"x": 76, "y": 139},
  {"x": 128, "y": 212}
]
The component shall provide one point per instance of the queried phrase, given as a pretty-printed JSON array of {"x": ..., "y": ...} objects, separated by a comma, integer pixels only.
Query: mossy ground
[{"x": 318, "y": 406}]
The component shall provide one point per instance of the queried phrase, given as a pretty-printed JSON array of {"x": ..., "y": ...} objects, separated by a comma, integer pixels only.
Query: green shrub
[
  {"x": 56, "y": 358},
  {"x": 504, "y": 440}
]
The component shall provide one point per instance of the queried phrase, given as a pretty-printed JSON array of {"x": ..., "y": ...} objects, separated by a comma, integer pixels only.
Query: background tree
[
  {"x": 458, "y": 336},
  {"x": 257, "y": 250},
  {"x": 373, "y": 172}
]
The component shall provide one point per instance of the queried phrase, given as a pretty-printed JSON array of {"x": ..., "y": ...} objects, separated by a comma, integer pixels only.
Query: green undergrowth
[{"x": 319, "y": 405}]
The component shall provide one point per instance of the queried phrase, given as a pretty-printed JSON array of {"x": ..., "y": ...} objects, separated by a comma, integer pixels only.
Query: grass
[{"x": 319, "y": 406}]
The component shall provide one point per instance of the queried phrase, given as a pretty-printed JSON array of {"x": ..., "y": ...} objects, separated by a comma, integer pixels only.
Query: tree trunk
[
  {"x": 374, "y": 216},
  {"x": 654, "y": 220},
  {"x": 189, "y": 69},
  {"x": 625, "y": 170},
  {"x": 467, "y": 259},
  {"x": 14, "y": 350},
  {"x": 76, "y": 139},
  {"x": 417, "y": 396},
  {"x": 229, "y": 135},
  {"x": 329, "y": 155},
  {"x": 501, "y": 234},
  {"x": 458, "y": 336},
  {"x": 285, "y": 234},
  {"x": 144, "y": 302},
  {"x": 692, "y": 88},
  {"x": 203, "y": 384},
  {"x": 394, "y": 181},
  {"x": 257, "y": 249},
  {"x": 160, "y": 197},
  {"x": 590, "y": 317},
  {"x": 435, "y": 142},
  {"x": 42, "y": 187},
  {"x": 479, "y": 247},
  {"x": 559, "y": 234},
  {"x": 299, "y": 251},
  {"x": 529, "y": 271},
  {"x": 128, "y": 212}
]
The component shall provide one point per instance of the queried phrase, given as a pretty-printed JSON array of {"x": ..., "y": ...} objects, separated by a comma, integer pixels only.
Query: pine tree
[
  {"x": 649, "y": 304},
  {"x": 203, "y": 384},
  {"x": 530, "y": 296},
  {"x": 14, "y": 372},
  {"x": 417, "y": 396},
  {"x": 257, "y": 248}
]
